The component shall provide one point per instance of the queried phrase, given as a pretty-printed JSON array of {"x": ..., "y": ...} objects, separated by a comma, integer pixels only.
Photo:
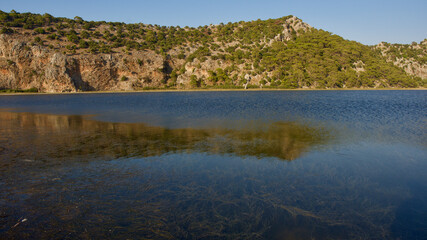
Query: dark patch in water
[{"x": 411, "y": 215}]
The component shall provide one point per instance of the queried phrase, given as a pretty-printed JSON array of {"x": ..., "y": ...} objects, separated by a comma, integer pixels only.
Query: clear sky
[{"x": 365, "y": 21}]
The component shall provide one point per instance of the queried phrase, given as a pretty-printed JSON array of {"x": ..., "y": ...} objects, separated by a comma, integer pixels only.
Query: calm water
[{"x": 214, "y": 165}]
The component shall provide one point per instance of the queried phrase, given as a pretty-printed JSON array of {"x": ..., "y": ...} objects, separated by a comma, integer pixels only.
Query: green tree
[{"x": 194, "y": 82}]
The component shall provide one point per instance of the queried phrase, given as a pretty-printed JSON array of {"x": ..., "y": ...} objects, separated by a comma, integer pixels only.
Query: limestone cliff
[{"x": 25, "y": 66}]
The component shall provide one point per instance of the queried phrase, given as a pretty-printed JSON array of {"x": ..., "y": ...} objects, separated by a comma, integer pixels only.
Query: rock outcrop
[
  {"x": 24, "y": 66},
  {"x": 413, "y": 64}
]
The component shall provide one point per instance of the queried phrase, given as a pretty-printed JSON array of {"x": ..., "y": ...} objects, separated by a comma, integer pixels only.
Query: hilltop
[{"x": 53, "y": 54}]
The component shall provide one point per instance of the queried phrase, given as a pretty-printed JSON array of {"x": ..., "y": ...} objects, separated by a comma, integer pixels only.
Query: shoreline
[{"x": 208, "y": 90}]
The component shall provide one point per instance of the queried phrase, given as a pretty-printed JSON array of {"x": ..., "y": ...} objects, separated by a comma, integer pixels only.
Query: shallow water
[{"x": 214, "y": 165}]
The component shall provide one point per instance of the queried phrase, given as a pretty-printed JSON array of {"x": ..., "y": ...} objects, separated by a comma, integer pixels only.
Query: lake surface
[{"x": 214, "y": 165}]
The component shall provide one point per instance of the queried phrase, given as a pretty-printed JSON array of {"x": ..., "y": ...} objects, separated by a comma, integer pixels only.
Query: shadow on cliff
[{"x": 73, "y": 70}]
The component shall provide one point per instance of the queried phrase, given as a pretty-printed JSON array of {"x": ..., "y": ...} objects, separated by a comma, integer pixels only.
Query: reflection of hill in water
[{"x": 38, "y": 136}]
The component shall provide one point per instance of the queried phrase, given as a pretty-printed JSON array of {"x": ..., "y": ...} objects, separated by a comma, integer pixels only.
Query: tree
[
  {"x": 78, "y": 19},
  {"x": 194, "y": 82}
]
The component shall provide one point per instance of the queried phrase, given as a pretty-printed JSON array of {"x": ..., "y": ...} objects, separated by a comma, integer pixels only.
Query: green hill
[{"x": 275, "y": 53}]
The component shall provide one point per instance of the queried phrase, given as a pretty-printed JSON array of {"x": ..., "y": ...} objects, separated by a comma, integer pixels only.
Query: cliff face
[{"x": 25, "y": 66}]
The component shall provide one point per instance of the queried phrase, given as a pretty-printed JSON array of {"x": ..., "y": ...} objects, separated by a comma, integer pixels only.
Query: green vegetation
[
  {"x": 31, "y": 90},
  {"x": 140, "y": 36},
  {"x": 6, "y": 30},
  {"x": 327, "y": 60},
  {"x": 274, "y": 52},
  {"x": 414, "y": 51}
]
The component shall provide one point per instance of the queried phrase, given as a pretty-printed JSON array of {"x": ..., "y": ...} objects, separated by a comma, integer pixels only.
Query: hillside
[
  {"x": 412, "y": 58},
  {"x": 66, "y": 55}
]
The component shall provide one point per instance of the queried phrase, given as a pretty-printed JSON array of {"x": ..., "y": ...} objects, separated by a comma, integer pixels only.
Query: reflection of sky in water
[{"x": 183, "y": 165}]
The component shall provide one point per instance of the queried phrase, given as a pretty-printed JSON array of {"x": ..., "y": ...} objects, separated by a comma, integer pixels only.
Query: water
[{"x": 214, "y": 165}]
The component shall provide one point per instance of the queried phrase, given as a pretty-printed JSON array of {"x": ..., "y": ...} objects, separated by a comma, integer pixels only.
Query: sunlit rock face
[{"x": 24, "y": 66}]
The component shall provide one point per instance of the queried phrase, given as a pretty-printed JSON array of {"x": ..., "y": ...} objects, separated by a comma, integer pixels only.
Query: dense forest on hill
[{"x": 275, "y": 53}]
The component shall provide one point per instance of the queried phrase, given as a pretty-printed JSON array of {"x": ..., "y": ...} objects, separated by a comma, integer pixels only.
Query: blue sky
[{"x": 365, "y": 21}]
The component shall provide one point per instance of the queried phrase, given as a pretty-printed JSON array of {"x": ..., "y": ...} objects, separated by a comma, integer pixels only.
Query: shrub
[
  {"x": 52, "y": 36},
  {"x": 40, "y": 31},
  {"x": 140, "y": 62},
  {"x": 73, "y": 38},
  {"x": 33, "y": 89},
  {"x": 83, "y": 44},
  {"x": 181, "y": 56},
  {"x": 38, "y": 40},
  {"x": 6, "y": 30},
  {"x": 85, "y": 35}
]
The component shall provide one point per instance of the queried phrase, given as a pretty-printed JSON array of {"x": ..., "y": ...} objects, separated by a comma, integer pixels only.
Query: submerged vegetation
[{"x": 275, "y": 53}]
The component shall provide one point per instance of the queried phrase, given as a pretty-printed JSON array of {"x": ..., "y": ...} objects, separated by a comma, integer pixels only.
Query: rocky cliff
[{"x": 25, "y": 66}]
